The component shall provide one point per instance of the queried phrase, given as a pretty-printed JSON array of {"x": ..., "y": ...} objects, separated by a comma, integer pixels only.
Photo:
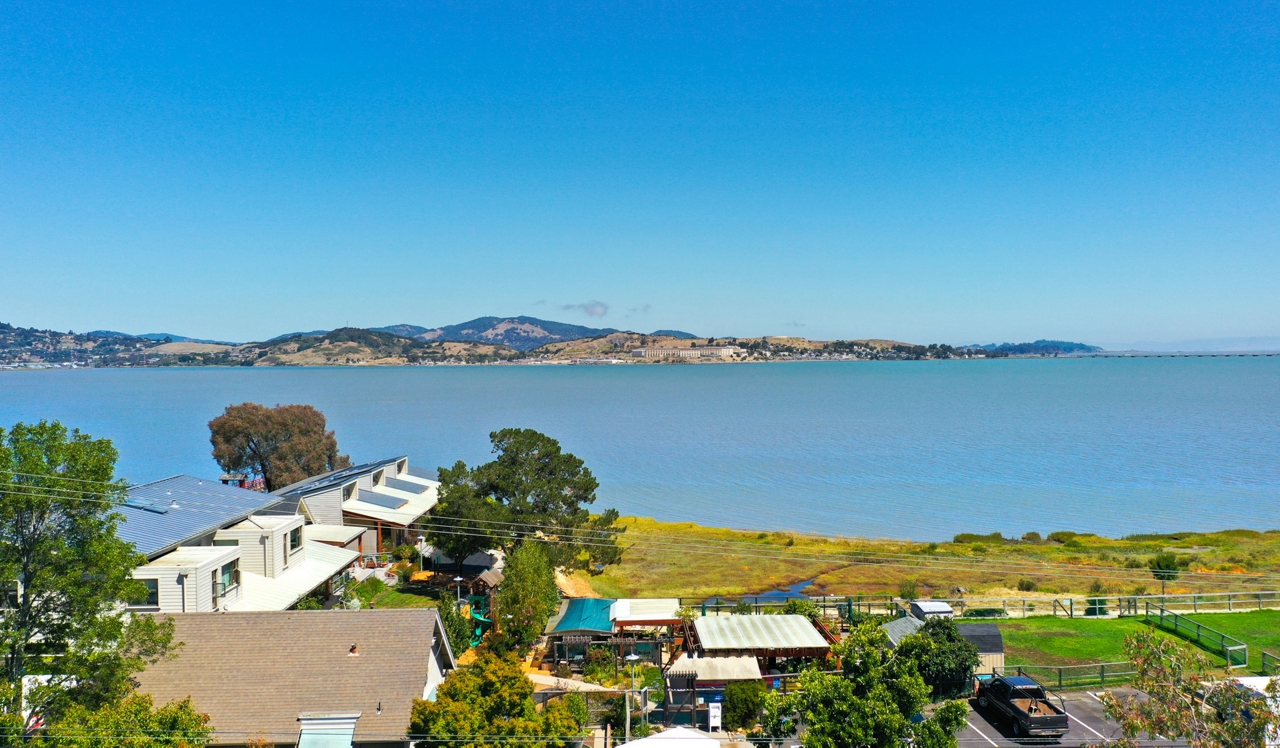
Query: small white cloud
[
  {"x": 540, "y": 302},
  {"x": 642, "y": 309},
  {"x": 590, "y": 308}
]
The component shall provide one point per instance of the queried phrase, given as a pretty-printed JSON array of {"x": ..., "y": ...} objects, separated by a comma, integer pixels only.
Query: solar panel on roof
[
  {"x": 381, "y": 499},
  {"x": 404, "y": 485}
]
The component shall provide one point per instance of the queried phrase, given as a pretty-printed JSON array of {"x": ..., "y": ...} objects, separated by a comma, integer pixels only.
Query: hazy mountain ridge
[{"x": 520, "y": 333}]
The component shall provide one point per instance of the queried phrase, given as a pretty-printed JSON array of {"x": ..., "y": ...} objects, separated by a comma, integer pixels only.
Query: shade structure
[{"x": 676, "y": 737}]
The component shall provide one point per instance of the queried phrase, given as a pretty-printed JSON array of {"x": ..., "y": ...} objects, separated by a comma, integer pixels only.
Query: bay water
[{"x": 912, "y": 449}]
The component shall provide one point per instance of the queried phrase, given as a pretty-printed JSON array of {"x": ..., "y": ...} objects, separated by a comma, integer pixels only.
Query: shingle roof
[
  {"x": 986, "y": 636},
  {"x": 257, "y": 672},
  {"x": 153, "y": 524}
]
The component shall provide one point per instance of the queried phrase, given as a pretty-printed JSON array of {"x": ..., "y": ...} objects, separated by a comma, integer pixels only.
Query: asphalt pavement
[{"x": 1086, "y": 725}]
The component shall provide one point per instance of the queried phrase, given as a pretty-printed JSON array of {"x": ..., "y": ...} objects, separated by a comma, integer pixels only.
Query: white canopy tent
[{"x": 676, "y": 737}]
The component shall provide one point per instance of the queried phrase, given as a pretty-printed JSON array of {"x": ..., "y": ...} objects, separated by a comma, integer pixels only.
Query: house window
[
  {"x": 226, "y": 578},
  {"x": 377, "y": 478},
  {"x": 348, "y": 491},
  {"x": 152, "y": 599},
  {"x": 295, "y": 539},
  {"x": 226, "y": 542}
]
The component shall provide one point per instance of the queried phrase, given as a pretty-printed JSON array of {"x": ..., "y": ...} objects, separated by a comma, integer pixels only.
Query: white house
[
  {"x": 212, "y": 547},
  {"x": 387, "y": 498}
]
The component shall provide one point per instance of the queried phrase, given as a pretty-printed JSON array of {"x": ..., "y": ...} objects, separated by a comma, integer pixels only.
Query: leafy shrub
[
  {"x": 1026, "y": 585},
  {"x": 1032, "y": 537},
  {"x": 743, "y": 702},
  {"x": 598, "y": 663},
  {"x": 970, "y": 537},
  {"x": 742, "y": 608},
  {"x": 309, "y": 603},
  {"x": 907, "y": 589},
  {"x": 404, "y": 552},
  {"x": 799, "y": 607},
  {"x": 1061, "y": 536}
]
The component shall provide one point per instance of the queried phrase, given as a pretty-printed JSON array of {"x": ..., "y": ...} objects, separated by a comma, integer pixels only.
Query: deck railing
[
  {"x": 1074, "y": 676},
  {"x": 1270, "y": 663},
  {"x": 1234, "y": 651},
  {"x": 1077, "y": 606}
]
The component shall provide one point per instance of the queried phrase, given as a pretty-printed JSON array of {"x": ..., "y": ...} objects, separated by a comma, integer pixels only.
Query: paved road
[{"x": 1087, "y": 725}]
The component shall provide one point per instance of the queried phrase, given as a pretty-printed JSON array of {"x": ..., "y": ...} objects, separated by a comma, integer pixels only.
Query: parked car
[{"x": 1031, "y": 709}]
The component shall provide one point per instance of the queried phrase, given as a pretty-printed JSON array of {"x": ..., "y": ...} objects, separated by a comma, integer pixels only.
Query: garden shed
[{"x": 990, "y": 643}]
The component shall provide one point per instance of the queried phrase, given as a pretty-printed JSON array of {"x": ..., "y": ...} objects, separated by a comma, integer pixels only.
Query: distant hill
[
  {"x": 1039, "y": 348},
  {"x": 520, "y": 333},
  {"x": 159, "y": 337},
  {"x": 678, "y": 334},
  {"x": 357, "y": 346}
]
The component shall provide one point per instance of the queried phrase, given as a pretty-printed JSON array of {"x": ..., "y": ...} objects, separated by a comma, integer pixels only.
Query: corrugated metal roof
[
  {"x": 718, "y": 669},
  {"x": 900, "y": 628},
  {"x": 153, "y": 524},
  {"x": 644, "y": 609},
  {"x": 758, "y": 632}
]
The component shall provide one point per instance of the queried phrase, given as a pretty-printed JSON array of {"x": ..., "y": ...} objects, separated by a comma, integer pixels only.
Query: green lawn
[
  {"x": 1259, "y": 629},
  {"x": 1048, "y": 640},
  {"x": 373, "y": 591}
]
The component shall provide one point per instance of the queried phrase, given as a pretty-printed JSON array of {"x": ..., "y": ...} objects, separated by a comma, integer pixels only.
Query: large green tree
[
  {"x": 133, "y": 722},
  {"x": 944, "y": 659},
  {"x": 282, "y": 445},
  {"x": 1182, "y": 701},
  {"x": 532, "y": 488},
  {"x": 490, "y": 703},
  {"x": 66, "y": 573},
  {"x": 528, "y": 594},
  {"x": 871, "y": 703}
]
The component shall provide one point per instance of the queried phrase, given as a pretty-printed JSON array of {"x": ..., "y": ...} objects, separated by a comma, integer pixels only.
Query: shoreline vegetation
[
  {"x": 22, "y": 348},
  {"x": 668, "y": 559}
]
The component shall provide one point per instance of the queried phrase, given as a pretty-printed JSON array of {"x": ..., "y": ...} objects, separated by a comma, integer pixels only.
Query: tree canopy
[
  {"x": 944, "y": 658},
  {"x": 1182, "y": 702},
  {"x": 871, "y": 703},
  {"x": 133, "y": 722},
  {"x": 282, "y": 445},
  {"x": 70, "y": 573},
  {"x": 490, "y": 702},
  {"x": 528, "y": 594},
  {"x": 532, "y": 488}
]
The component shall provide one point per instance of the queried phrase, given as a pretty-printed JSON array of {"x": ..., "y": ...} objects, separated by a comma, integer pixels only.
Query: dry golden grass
[{"x": 688, "y": 560}]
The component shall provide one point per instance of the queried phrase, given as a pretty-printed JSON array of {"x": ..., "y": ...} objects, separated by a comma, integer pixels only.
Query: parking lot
[{"x": 1086, "y": 725}]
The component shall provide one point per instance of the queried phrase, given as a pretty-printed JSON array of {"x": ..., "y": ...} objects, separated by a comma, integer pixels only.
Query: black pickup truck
[{"x": 1029, "y": 706}]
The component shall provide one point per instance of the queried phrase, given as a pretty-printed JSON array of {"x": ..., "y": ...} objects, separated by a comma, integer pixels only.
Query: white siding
[{"x": 325, "y": 506}]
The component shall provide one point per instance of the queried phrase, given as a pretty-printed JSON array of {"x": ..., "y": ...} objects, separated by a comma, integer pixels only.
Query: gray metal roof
[
  {"x": 335, "y": 477},
  {"x": 900, "y": 628},
  {"x": 153, "y": 523},
  {"x": 758, "y": 632}
]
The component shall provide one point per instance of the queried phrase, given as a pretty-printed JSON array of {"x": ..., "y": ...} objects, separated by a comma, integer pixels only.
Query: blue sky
[{"x": 1096, "y": 171}]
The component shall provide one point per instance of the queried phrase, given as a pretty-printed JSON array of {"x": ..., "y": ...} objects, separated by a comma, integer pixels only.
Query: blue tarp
[{"x": 586, "y": 614}]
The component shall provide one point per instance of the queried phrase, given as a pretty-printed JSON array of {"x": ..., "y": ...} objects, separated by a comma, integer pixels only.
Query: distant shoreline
[{"x": 635, "y": 362}]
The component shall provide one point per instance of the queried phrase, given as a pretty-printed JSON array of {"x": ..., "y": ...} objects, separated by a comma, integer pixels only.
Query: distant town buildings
[{"x": 712, "y": 352}]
